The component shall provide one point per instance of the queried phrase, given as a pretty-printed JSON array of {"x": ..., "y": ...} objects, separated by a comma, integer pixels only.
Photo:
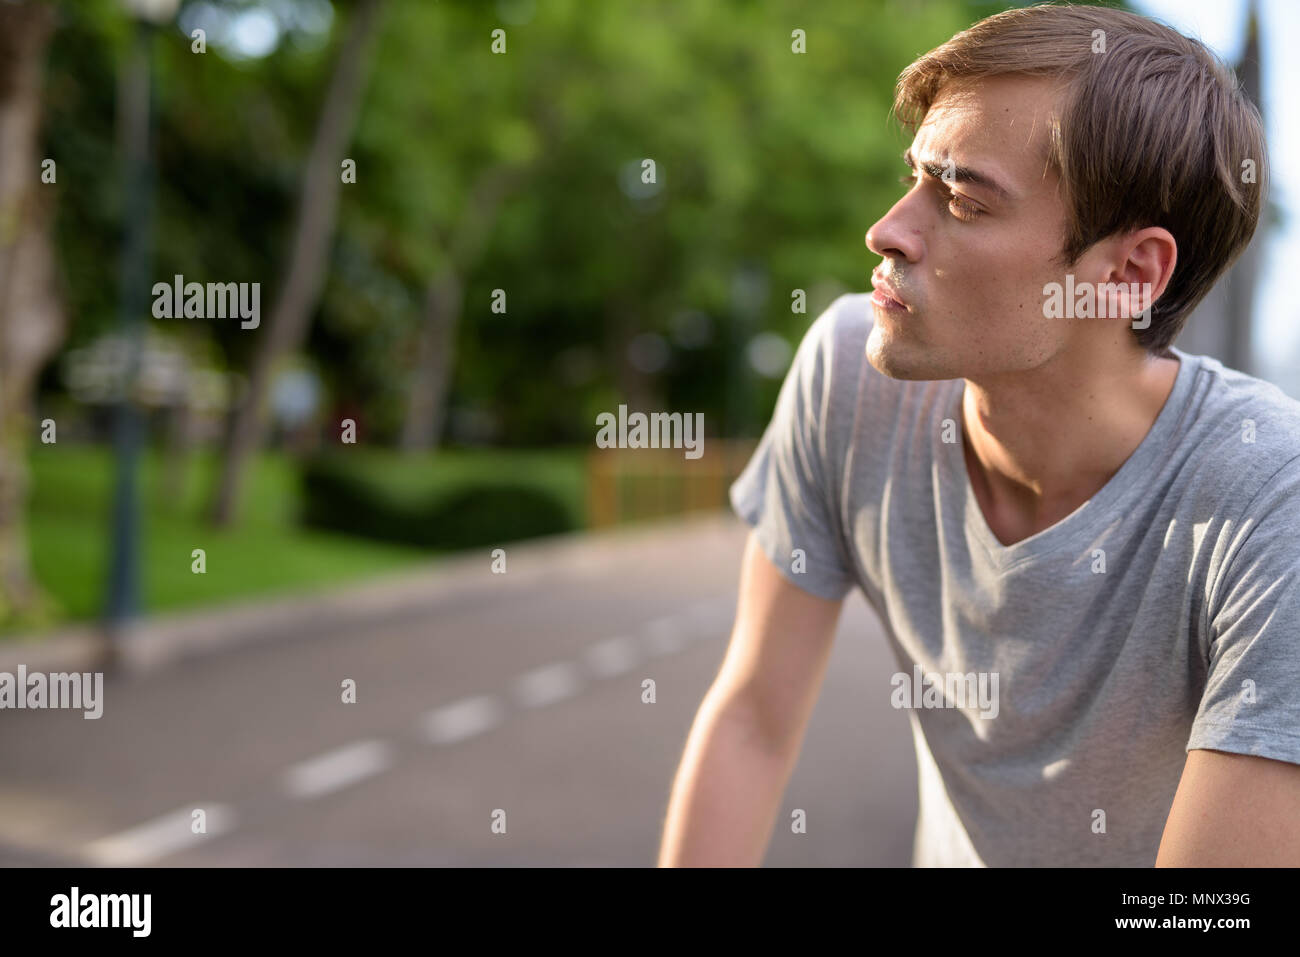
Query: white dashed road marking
[
  {"x": 613, "y": 656},
  {"x": 449, "y": 724},
  {"x": 664, "y": 636},
  {"x": 337, "y": 769},
  {"x": 160, "y": 837},
  {"x": 547, "y": 685},
  {"x": 464, "y": 719},
  {"x": 710, "y": 616}
]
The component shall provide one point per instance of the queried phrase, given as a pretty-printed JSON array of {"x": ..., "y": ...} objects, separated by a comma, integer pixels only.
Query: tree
[
  {"x": 32, "y": 322},
  {"x": 313, "y": 228}
]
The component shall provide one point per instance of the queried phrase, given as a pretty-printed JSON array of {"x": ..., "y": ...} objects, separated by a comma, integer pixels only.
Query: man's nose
[{"x": 894, "y": 236}]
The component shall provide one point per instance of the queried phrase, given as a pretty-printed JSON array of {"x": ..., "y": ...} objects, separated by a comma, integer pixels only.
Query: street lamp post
[{"x": 122, "y": 601}]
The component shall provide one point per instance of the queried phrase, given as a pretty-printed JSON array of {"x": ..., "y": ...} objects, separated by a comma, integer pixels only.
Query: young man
[{"x": 1063, "y": 509}]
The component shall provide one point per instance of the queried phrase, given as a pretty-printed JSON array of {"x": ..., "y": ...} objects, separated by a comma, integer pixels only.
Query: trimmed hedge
[{"x": 468, "y": 514}]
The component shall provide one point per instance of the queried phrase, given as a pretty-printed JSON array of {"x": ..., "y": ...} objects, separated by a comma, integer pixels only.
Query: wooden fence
[{"x": 634, "y": 485}]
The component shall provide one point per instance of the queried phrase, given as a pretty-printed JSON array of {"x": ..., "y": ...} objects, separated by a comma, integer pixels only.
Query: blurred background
[{"x": 474, "y": 226}]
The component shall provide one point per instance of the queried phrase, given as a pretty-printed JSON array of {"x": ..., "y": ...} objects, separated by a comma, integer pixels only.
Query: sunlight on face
[{"x": 972, "y": 242}]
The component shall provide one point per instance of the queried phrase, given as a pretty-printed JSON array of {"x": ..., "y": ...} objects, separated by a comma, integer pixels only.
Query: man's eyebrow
[{"x": 961, "y": 174}]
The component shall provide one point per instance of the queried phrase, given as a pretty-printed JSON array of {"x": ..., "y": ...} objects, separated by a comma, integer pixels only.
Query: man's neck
[{"x": 1038, "y": 445}]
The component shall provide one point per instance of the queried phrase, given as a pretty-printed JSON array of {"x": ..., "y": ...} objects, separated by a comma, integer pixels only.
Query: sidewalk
[{"x": 155, "y": 641}]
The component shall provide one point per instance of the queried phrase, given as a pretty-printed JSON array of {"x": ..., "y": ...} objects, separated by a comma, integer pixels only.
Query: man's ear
[{"x": 1145, "y": 258}]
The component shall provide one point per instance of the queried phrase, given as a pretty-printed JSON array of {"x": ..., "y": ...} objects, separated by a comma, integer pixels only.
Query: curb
[{"x": 155, "y": 641}]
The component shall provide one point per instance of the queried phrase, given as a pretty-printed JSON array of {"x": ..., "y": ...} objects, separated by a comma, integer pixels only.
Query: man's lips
[{"x": 884, "y": 291}]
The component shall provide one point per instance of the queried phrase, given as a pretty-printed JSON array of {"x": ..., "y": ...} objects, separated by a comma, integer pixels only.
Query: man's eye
[{"x": 961, "y": 209}]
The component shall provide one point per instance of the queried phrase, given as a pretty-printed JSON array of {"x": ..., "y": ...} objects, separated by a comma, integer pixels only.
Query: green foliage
[
  {"x": 340, "y": 497},
  {"x": 765, "y": 158},
  {"x": 767, "y": 161}
]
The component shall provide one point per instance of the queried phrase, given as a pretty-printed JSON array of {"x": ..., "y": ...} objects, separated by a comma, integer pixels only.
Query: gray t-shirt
[{"x": 1055, "y": 685}]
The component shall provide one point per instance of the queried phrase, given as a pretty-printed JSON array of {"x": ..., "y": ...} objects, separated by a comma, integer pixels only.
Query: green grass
[{"x": 265, "y": 554}]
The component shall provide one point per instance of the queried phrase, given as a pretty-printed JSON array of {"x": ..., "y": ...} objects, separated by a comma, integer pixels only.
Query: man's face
[{"x": 968, "y": 260}]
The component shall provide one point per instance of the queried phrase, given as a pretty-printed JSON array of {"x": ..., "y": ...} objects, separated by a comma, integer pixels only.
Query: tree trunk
[
  {"x": 431, "y": 381},
  {"x": 300, "y": 290},
  {"x": 444, "y": 301},
  {"x": 32, "y": 324}
]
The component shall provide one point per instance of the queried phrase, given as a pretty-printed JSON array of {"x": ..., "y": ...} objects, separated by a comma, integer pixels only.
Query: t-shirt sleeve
[
  {"x": 1251, "y": 703},
  {"x": 784, "y": 492}
]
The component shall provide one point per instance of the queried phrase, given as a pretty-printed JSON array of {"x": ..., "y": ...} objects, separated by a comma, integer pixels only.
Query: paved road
[{"x": 522, "y": 693}]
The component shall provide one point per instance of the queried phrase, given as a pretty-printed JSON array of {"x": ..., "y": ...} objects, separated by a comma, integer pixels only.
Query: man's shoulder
[
  {"x": 839, "y": 334},
  {"x": 1250, "y": 410},
  {"x": 1246, "y": 429},
  {"x": 847, "y": 318}
]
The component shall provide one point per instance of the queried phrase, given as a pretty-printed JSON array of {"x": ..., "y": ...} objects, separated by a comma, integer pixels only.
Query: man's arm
[
  {"x": 1233, "y": 810},
  {"x": 748, "y": 732}
]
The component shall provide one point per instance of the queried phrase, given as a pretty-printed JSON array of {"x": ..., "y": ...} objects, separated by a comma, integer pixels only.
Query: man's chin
[{"x": 897, "y": 358}]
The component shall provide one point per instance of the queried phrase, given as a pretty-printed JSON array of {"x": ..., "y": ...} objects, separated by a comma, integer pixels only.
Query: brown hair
[{"x": 1154, "y": 131}]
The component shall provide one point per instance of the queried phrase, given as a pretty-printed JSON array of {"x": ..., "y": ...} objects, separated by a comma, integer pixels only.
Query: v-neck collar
[{"x": 1091, "y": 513}]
